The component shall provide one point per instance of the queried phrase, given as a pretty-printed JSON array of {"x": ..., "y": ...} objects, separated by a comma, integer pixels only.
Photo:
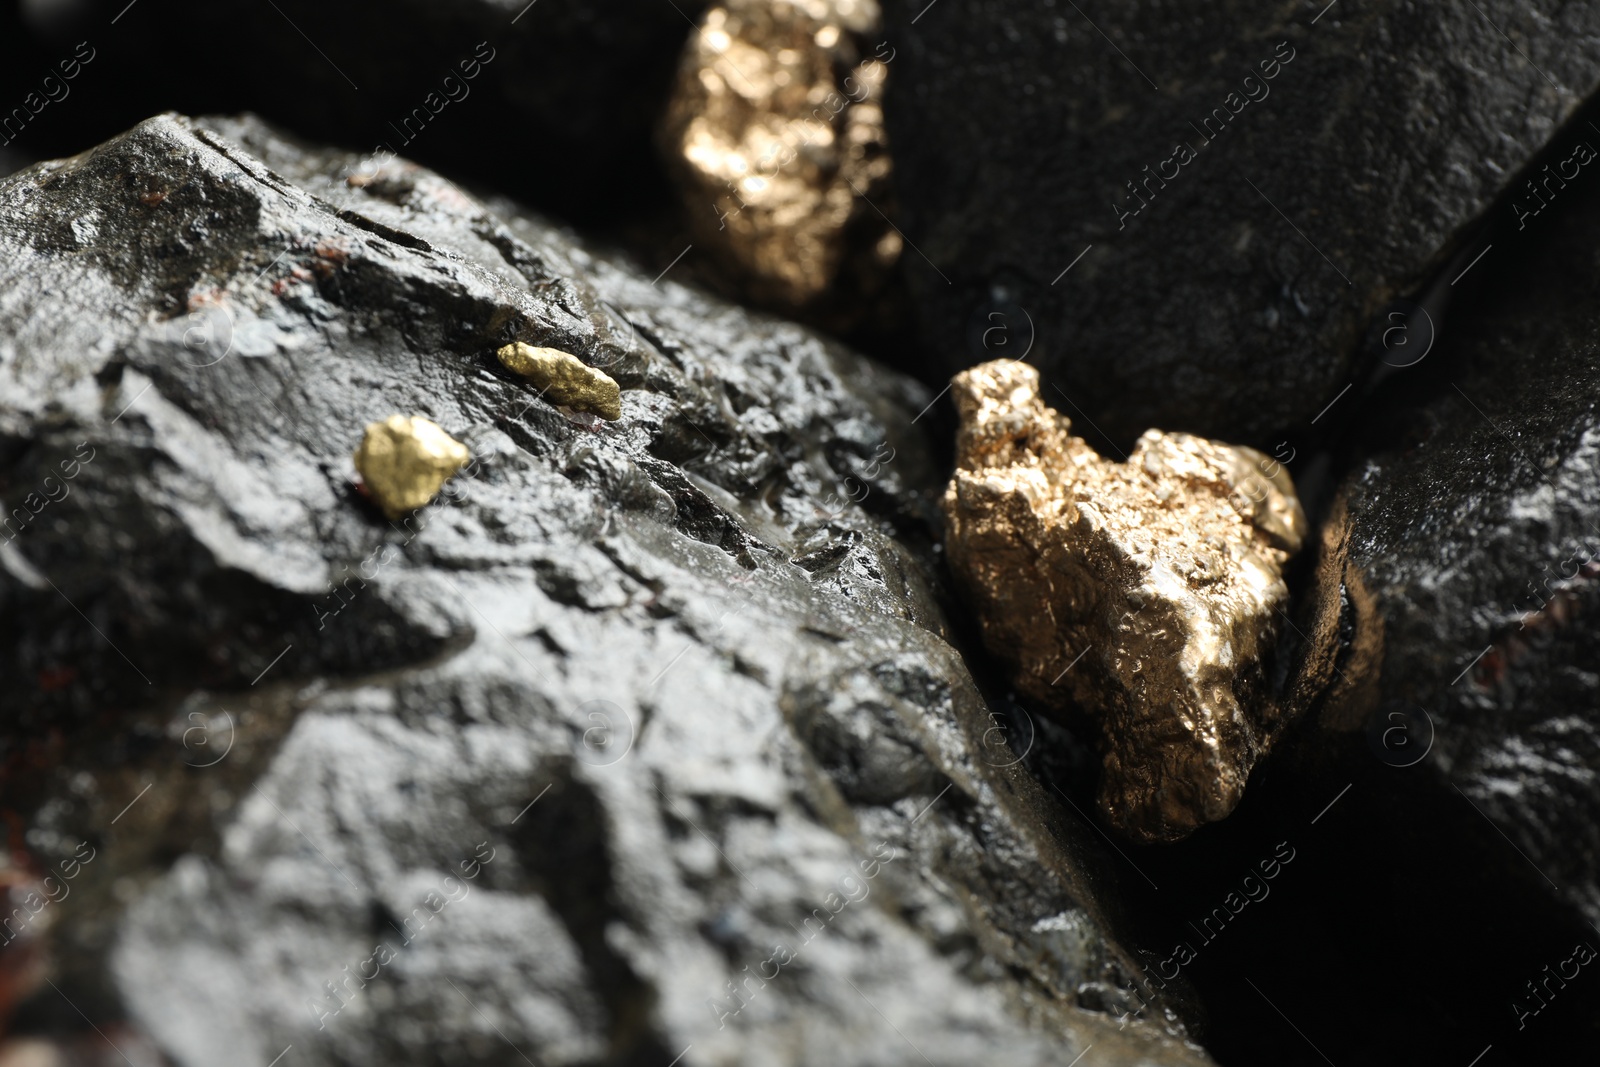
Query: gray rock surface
[
  {"x": 553, "y": 763},
  {"x": 1231, "y": 300}
]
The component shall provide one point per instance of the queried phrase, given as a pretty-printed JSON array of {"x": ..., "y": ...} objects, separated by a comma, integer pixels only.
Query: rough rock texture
[
  {"x": 1302, "y": 170},
  {"x": 635, "y": 711},
  {"x": 1459, "y": 605},
  {"x": 775, "y": 137},
  {"x": 1144, "y": 592}
]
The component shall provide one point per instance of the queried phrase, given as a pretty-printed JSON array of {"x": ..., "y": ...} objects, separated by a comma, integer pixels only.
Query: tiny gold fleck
[
  {"x": 563, "y": 378},
  {"x": 405, "y": 461}
]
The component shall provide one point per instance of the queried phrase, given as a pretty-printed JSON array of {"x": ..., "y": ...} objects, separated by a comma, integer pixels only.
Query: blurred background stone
[
  {"x": 1306, "y": 164},
  {"x": 1443, "y": 646},
  {"x": 1465, "y": 561},
  {"x": 558, "y": 108}
]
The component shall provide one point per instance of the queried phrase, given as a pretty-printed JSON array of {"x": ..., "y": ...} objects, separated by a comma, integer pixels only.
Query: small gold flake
[
  {"x": 405, "y": 461},
  {"x": 563, "y": 378}
]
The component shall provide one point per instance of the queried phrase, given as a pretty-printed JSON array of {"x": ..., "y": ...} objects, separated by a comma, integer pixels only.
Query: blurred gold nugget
[
  {"x": 563, "y": 378},
  {"x": 405, "y": 460},
  {"x": 1145, "y": 593},
  {"x": 775, "y": 134}
]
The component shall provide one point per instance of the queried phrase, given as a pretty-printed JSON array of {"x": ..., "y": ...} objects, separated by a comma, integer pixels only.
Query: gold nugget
[
  {"x": 1144, "y": 593},
  {"x": 405, "y": 461},
  {"x": 563, "y": 378},
  {"x": 775, "y": 138}
]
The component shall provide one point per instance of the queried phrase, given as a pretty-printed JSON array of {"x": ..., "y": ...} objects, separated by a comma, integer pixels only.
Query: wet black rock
[
  {"x": 1458, "y": 608},
  {"x": 1306, "y": 163},
  {"x": 635, "y": 711}
]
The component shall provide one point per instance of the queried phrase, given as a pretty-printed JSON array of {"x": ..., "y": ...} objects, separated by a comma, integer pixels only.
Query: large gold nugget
[
  {"x": 1144, "y": 593},
  {"x": 405, "y": 461},
  {"x": 776, "y": 139},
  {"x": 563, "y": 378}
]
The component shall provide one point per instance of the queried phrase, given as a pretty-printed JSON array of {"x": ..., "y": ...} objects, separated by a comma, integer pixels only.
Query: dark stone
[
  {"x": 551, "y": 102},
  {"x": 1235, "y": 303},
  {"x": 1455, "y": 617},
  {"x": 636, "y": 701},
  {"x": 1447, "y": 650}
]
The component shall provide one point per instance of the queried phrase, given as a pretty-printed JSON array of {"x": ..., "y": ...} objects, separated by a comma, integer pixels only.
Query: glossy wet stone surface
[{"x": 636, "y": 710}]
